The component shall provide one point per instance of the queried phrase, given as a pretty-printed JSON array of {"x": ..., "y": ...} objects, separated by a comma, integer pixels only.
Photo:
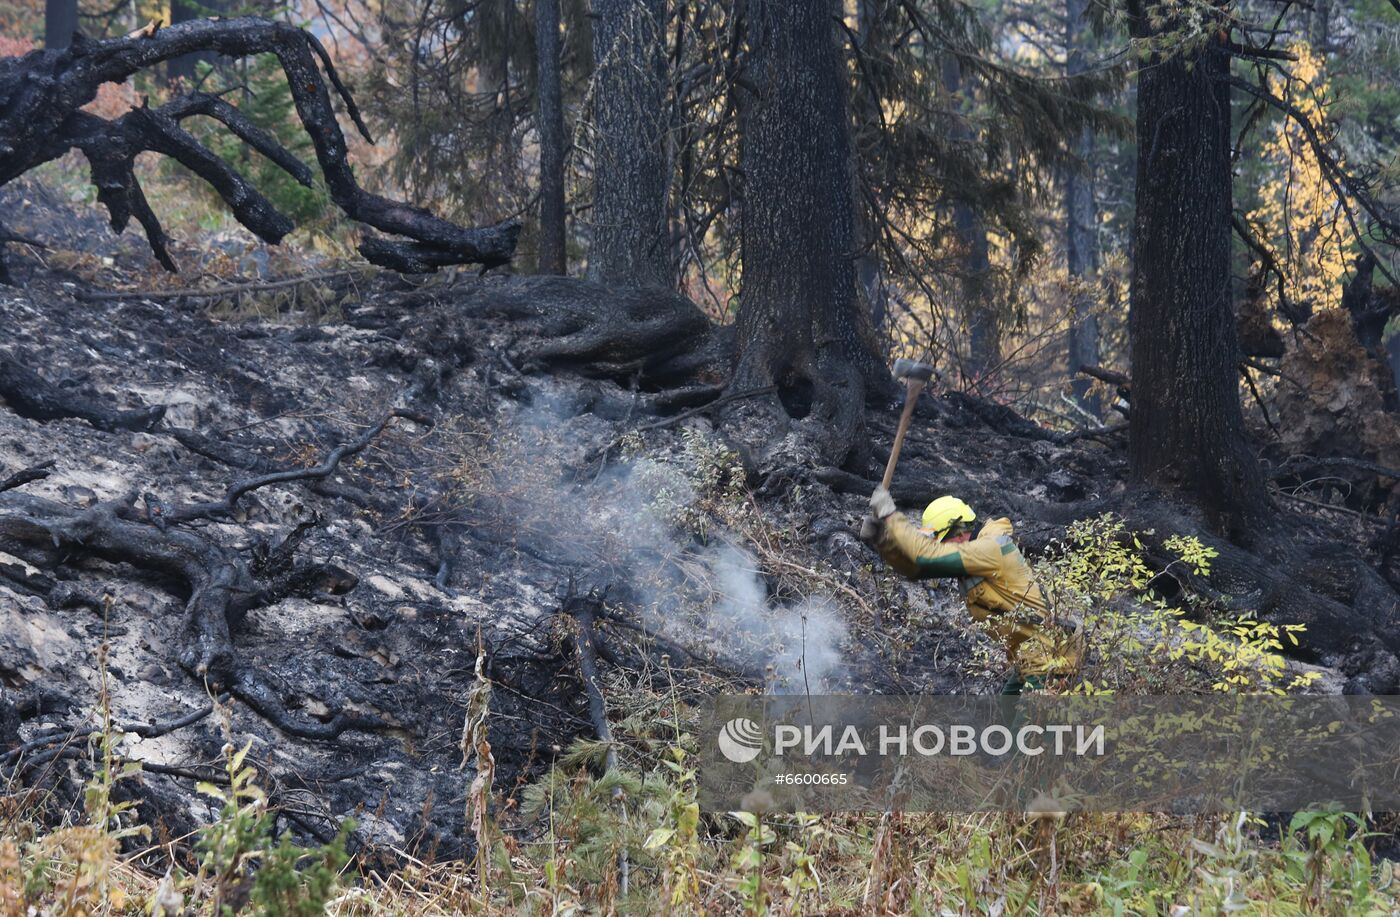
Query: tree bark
[
  {"x": 552, "y": 257},
  {"x": 870, "y": 278},
  {"x": 496, "y": 23},
  {"x": 1320, "y": 28},
  {"x": 60, "y": 22},
  {"x": 983, "y": 331},
  {"x": 800, "y": 325},
  {"x": 1081, "y": 228},
  {"x": 1187, "y": 430},
  {"x": 629, "y": 240},
  {"x": 183, "y": 67}
]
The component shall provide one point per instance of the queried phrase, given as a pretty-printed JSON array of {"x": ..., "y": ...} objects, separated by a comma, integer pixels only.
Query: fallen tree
[{"x": 41, "y": 118}]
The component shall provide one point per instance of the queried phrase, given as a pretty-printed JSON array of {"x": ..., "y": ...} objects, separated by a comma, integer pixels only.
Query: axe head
[{"x": 912, "y": 371}]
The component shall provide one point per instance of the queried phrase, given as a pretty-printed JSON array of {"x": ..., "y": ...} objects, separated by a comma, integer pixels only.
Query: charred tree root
[
  {"x": 240, "y": 489},
  {"x": 22, "y": 756},
  {"x": 41, "y": 95},
  {"x": 601, "y": 453},
  {"x": 221, "y": 586},
  {"x": 655, "y": 336},
  {"x": 235, "y": 457},
  {"x": 30, "y": 396}
]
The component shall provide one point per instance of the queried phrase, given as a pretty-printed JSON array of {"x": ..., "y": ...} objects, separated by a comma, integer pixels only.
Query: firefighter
[{"x": 997, "y": 584}]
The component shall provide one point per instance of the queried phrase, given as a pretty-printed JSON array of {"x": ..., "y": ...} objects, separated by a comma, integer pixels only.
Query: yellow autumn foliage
[{"x": 1299, "y": 215}]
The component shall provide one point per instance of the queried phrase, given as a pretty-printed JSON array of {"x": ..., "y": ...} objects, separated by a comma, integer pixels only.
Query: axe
[{"x": 915, "y": 376}]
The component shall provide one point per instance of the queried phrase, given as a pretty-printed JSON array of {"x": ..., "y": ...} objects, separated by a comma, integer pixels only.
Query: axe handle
[{"x": 911, "y": 395}]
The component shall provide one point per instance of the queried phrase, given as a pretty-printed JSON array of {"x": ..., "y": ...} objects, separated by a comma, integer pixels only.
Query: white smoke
[{"x": 621, "y": 525}]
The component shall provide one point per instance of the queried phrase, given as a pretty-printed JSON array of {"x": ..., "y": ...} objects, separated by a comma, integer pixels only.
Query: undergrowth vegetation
[{"x": 585, "y": 838}]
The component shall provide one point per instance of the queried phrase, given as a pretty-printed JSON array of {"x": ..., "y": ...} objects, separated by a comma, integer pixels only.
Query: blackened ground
[{"x": 464, "y": 522}]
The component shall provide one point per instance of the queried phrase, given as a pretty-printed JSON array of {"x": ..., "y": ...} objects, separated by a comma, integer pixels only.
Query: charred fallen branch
[
  {"x": 235, "y": 289},
  {"x": 27, "y": 475},
  {"x": 1300, "y": 465},
  {"x": 1119, "y": 381},
  {"x": 236, "y": 457},
  {"x": 42, "y": 93},
  {"x": 29, "y": 395}
]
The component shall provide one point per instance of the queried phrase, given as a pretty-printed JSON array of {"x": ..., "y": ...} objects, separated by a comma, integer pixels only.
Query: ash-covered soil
[{"x": 506, "y": 482}]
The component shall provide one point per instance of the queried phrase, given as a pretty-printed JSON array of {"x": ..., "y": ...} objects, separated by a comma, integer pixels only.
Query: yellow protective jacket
[{"x": 998, "y": 588}]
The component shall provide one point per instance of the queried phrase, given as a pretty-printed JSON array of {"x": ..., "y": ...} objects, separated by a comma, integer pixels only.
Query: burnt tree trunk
[
  {"x": 60, "y": 22},
  {"x": 1320, "y": 28},
  {"x": 1081, "y": 228},
  {"x": 1187, "y": 430},
  {"x": 983, "y": 332},
  {"x": 979, "y": 315},
  {"x": 629, "y": 239},
  {"x": 800, "y": 325},
  {"x": 184, "y": 66},
  {"x": 870, "y": 277},
  {"x": 552, "y": 259},
  {"x": 496, "y": 22}
]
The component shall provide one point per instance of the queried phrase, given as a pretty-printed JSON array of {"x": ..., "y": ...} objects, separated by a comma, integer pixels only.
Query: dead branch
[
  {"x": 664, "y": 644},
  {"x": 41, "y": 95},
  {"x": 584, "y": 612},
  {"x": 687, "y": 414},
  {"x": 1112, "y": 377},
  {"x": 237, "y": 457},
  {"x": 602, "y": 451},
  {"x": 1295, "y": 313},
  {"x": 30, "y": 396},
  {"x": 1122, "y": 385},
  {"x": 215, "y": 450},
  {"x": 1249, "y": 52},
  {"x": 1092, "y": 433},
  {"x": 1259, "y": 400},
  {"x": 26, "y": 475},
  {"x": 1292, "y": 467},
  {"x": 1351, "y": 190},
  {"x": 1368, "y": 517}
]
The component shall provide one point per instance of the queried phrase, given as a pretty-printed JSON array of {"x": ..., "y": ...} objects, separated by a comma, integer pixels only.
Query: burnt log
[{"x": 41, "y": 95}]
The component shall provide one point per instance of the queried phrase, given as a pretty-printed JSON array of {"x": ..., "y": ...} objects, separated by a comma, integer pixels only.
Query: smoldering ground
[{"x": 638, "y": 527}]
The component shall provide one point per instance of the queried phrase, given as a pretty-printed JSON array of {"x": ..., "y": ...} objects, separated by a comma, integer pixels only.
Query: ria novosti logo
[{"x": 741, "y": 740}]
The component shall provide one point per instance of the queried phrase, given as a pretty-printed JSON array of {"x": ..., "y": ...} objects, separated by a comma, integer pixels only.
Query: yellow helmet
[{"x": 943, "y": 513}]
